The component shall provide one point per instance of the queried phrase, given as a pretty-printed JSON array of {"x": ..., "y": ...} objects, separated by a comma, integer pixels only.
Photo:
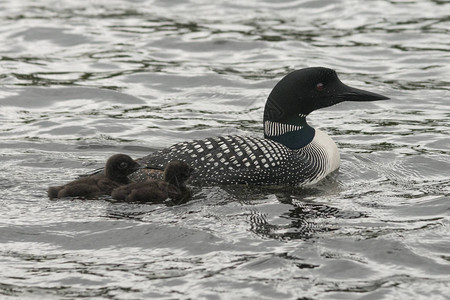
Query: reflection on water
[{"x": 80, "y": 82}]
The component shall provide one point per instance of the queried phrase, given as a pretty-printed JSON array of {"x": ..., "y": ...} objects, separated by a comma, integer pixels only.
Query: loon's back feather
[{"x": 244, "y": 160}]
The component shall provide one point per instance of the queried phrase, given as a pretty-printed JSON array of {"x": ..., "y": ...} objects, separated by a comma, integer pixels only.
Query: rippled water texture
[{"x": 81, "y": 80}]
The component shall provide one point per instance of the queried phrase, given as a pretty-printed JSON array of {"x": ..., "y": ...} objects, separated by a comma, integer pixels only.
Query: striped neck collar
[{"x": 293, "y": 135}]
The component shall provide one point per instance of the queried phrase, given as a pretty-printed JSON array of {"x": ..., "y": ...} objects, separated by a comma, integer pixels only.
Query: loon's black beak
[
  {"x": 354, "y": 94},
  {"x": 342, "y": 92}
]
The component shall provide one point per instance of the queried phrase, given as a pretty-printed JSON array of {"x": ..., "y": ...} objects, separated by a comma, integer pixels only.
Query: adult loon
[{"x": 291, "y": 152}]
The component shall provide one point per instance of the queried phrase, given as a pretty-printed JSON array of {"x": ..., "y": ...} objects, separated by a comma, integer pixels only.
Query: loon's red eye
[{"x": 320, "y": 86}]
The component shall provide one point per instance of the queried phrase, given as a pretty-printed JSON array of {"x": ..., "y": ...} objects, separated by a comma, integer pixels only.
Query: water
[{"x": 81, "y": 81}]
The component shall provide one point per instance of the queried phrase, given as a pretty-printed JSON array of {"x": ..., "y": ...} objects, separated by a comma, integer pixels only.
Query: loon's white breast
[{"x": 323, "y": 150}]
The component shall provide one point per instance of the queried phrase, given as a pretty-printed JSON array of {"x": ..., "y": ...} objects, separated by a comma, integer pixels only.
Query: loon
[
  {"x": 173, "y": 186},
  {"x": 117, "y": 168},
  {"x": 291, "y": 152}
]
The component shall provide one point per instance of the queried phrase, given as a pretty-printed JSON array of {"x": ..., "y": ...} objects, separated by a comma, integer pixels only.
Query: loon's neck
[{"x": 294, "y": 134}]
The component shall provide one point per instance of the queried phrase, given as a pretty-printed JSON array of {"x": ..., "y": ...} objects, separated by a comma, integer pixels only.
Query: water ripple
[{"x": 81, "y": 81}]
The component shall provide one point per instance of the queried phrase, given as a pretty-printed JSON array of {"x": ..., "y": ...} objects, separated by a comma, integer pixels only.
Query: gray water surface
[{"x": 82, "y": 80}]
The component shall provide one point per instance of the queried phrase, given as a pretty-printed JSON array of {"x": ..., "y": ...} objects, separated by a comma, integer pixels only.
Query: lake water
[{"x": 81, "y": 80}]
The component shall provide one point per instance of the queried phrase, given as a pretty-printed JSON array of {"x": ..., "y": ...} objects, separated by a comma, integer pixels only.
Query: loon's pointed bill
[
  {"x": 290, "y": 153},
  {"x": 354, "y": 94}
]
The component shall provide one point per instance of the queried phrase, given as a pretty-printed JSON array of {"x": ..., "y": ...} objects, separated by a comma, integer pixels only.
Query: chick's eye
[
  {"x": 123, "y": 165},
  {"x": 320, "y": 86}
]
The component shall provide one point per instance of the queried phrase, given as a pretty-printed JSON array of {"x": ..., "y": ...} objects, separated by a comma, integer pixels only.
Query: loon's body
[
  {"x": 251, "y": 160},
  {"x": 291, "y": 152}
]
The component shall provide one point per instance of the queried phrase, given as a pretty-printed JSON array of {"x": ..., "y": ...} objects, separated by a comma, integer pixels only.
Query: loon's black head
[
  {"x": 119, "y": 166},
  {"x": 297, "y": 95},
  {"x": 305, "y": 90}
]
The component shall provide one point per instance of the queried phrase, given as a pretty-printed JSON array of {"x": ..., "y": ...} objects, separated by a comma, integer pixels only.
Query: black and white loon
[{"x": 291, "y": 152}]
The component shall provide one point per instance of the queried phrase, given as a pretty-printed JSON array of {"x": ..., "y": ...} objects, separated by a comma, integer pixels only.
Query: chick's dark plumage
[
  {"x": 117, "y": 168},
  {"x": 173, "y": 186}
]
